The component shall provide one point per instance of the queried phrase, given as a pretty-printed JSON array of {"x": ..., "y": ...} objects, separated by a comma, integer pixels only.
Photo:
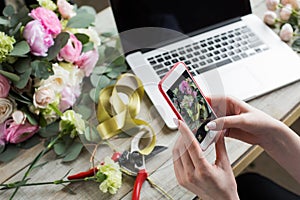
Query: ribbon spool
[{"x": 115, "y": 116}]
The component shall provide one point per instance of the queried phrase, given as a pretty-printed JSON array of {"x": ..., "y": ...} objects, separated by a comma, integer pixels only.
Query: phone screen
[{"x": 191, "y": 105}]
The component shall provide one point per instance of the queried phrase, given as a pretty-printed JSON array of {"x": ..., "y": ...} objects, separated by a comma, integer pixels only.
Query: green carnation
[
  {"x": 113, "y": 174},
  {"x": 72, "y": 122},
  {"x": 6, "y": 46}
]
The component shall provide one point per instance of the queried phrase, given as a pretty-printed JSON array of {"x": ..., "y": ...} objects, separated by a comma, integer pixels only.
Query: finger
[
  {"x": 192, "y": 145},
  {"x": 222, "y": 159},
  {"x": 235, "y": 121}
]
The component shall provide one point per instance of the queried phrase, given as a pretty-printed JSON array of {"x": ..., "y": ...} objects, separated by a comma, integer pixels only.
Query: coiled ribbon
[{"x": 115, "y": 116}]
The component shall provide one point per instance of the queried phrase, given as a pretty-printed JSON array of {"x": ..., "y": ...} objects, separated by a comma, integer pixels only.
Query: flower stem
[
  {"x": 33, "y": 163},
  {"x": 56, "y": 182}
]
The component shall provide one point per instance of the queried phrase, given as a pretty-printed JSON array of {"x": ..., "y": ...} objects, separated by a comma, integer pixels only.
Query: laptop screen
[{"x": 185, "y": 16}]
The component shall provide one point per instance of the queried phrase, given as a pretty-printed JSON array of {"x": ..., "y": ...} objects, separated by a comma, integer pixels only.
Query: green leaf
[
  {"x": 22, "y": 64},
  {"x": 83, "y": 38},
  {"x": 87, "y": 9},
  {"x": 73, "y": 152},
  {"x": 60, "y": 148},
  {"x": 99, "y": 80},
  {"x": 122, "y": 68},
  {"x": 81, "y": 20},
  {"x": 102, "y": 69},
  {"x": 50, "y": 130},
  {"x": 31, "y": 142},
  {"x": 8, "y": 11},
  {"x": 41, "y": 69},
  {"x": 84, "y": 111},
  {"x": 30, "y": 117},
  {"x": 19, "y": 97},
  {"x": 2, "y": 148},
  {"x": 296, "y": 45},
  {"x": 107, "y": 34},
  {"x": 10, "y": 153},
  {"x": 4, "y": 21},
  {"x": 16, "y": 29},
  {"x": 113, "y": 74},
  {"x": 24, "y": 78},
  {"x": 91, "y": 134},
  {"x": 20, "y": 49},
  {"x": 59, "y": 42},
  {"x": 11, "y": 76},
  {"x": 88, "y": 47},
  {"x": 119, "y": 61}
]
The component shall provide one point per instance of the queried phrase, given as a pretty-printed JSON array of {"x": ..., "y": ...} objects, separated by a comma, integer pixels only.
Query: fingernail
[
  {"x": 211, "y": 125},
  {"x": 175, "y": 121}
]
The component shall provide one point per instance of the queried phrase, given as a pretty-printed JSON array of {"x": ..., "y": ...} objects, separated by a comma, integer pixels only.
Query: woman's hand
[
  {"x": 244, "y": 122},
  {"x": 194, "y": 172}
]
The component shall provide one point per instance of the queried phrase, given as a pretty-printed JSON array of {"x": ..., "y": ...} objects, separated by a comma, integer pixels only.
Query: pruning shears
[{"x": 133, "y": 163}]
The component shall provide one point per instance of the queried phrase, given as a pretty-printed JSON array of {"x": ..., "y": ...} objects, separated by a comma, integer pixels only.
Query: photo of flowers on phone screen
[{"x": 191, "y": 105}]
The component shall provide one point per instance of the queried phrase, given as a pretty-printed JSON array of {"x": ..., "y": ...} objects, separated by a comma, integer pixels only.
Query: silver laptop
[{"x": 228, "y": 49}]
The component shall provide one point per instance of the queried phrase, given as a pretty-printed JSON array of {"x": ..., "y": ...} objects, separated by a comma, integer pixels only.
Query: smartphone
[{"x": 188, "y": 102}]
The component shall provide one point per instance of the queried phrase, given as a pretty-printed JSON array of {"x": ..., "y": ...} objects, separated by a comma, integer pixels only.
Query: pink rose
[
  {"x": 68, "y": 99},
  {"x": 16, "y": 133},
  {"x": 272, "y": 4},
  {"x": 294, "y": 3},
  {"x": 87, "y": 61},
  {"x": 270, "y": 17},
  {"x": 37, "y": 38},
  {"x": 71, "y": 51},
  {"x": 43, "y": 96},
  {"x": 286, "y": 33},
  {"x": 4, "y": 86},
  {"x": 48, "y": 19},
  {"x": 286, "y": 12},
  {"x": 65, "y": 9}
]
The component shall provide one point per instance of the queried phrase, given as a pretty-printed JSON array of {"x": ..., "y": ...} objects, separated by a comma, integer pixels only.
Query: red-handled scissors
[{"x": 133, "y": 162}]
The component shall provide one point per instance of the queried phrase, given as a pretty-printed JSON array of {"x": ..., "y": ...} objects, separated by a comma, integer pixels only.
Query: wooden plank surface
[{"x": 160, "y": 168}]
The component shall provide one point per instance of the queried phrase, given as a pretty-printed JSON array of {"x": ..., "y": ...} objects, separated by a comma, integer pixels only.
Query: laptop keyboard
[{"x": 210, "y": 53}]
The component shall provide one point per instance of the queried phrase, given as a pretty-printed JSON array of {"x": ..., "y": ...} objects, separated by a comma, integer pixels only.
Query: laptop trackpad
[{"x": 239, "y": 82}]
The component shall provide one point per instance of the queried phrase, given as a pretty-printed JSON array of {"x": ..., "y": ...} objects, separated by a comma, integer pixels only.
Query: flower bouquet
[
  {"x": 283, "y": 15},
  {"x": 45, "y": 54}
]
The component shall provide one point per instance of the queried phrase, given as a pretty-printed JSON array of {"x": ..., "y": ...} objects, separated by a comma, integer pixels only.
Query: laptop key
[
  {"x": 158, "y": 67},
  {"x": 152, "y": 62},
  {"x": 213, "y": 66},
  {"x": 236, "y": 57},
  {"x": 161, "y": 72},
  {"x": 160, "y": 60},
  {"x": 175, "y": 60},
  {"x": 255, "y": 44}
]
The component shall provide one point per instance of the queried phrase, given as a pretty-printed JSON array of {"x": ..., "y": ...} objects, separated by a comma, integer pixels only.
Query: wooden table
[{"x": 161, "y": 171}]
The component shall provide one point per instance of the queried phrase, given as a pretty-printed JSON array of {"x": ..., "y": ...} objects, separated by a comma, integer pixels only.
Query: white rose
[
  {"x": 58, "y": 80},
  {"x": 270, "y": 17},
  {"x": 286, "y": 33},
  {"x": 286, "y": 12},
  {"x": 65, "y": 9},
  {"x": 6, "y": 109},
  {"x": 43, "y": 96}
]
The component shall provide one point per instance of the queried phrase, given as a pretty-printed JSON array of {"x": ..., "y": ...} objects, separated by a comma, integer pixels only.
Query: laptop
[{"x": 229, "y": 50}]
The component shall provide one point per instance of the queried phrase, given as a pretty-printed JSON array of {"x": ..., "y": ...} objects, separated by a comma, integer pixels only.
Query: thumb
[{"x": 222, "y": 123}]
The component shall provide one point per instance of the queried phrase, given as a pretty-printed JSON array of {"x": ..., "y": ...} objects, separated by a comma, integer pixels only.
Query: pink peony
[
  {"x": 65, "y": 9},
  {"x": 16, "y": 133},
  {"x": 87, "y": 61},
  {"x": 37, "y": 38},
  {"x": 71, "y": 51},
  {"x": 4, "y": 86},
  {"x": 48, "y": 19},
  {"x": 286, "y": 33}
]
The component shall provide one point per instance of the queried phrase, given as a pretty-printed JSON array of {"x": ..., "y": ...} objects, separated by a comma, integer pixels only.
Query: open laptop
[{"x": 228, "y": 49}]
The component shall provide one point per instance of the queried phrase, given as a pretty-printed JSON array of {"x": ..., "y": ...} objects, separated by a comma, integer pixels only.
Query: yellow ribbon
[{"x": 115, "y": 117}]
